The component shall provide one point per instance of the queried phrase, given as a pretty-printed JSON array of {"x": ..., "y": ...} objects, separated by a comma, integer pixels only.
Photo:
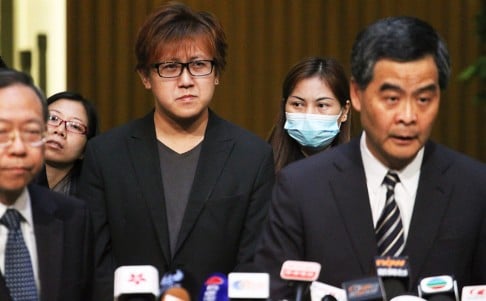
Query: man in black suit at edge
[
  {"x": 46, "y": 239},
  {"x": 326, "y": 208}
]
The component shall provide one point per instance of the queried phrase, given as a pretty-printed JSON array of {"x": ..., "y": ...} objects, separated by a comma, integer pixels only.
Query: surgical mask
[{"x": 312, "y": 130}]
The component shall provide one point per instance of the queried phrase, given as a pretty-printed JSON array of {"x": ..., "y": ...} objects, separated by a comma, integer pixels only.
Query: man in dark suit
[
  {"x": 51, "y": 233},
  {"x": 179, "y": 188},
  {"x": 328, "y": 207}
]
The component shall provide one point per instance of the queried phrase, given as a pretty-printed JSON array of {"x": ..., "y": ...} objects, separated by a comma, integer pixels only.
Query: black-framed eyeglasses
[
  {"x": 71, "y": 126},
  {"x": 175, "y": 69}
]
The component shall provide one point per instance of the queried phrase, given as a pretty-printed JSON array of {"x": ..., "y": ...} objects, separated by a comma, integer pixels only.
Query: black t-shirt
[{"x": 177, "y": 177}]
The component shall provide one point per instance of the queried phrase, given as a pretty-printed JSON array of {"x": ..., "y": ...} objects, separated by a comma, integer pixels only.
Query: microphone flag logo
[
  {"x": 300, "y": 270},
  {"x": 136, "y": 278},
  {"x": 437, "y": 284}
]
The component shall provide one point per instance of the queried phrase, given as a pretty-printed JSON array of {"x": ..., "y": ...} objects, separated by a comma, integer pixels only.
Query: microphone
[
  {"x": 325, "y": 292},
  {"x": 171, "y": 279},
  {"x": 248, "y": 285},
  {"x": 366, "y": 289},
  {"x": 474, "y": 293},
  {"x": 394, "y": 272},
  {"x": 301, "y": 272},
  {"x": 136, "y": 283},
  {"x": 329, "y": 298},
  {"x": 215, "y": 288},
  {"x": 407, "y": 298},
  {"x": 440, "y": 288},
  {"x": 175, "y": 293}
]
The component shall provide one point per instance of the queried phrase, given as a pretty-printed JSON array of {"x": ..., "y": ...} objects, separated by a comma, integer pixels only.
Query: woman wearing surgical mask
[
  {"x": 71, "y": 123},
  {"x": 315, "y": 111}
]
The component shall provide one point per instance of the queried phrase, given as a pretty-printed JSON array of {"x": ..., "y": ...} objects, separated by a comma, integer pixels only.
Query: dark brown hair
[{"x": 176, "y": 22}]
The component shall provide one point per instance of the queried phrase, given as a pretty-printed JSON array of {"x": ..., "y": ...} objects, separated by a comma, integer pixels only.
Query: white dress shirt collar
[{"x": 22, "y": 205}]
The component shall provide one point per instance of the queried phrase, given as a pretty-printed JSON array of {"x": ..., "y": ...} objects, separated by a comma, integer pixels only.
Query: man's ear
[
  {"x": 145, "y": 80},
  {"x": 355, "y": 94}
]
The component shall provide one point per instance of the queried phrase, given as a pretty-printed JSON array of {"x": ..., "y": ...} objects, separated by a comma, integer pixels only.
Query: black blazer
[
  {"x": 64, "y": 240},
  {"x": 122, "y": 183},
  {"x": 320, "y": 212},
  {"x": 41, "y": 178}
]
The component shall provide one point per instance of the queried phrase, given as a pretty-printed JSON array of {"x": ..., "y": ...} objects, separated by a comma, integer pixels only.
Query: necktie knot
[
  {"x": 11, "y": 219},
  {"x": 391, "y": 179}
]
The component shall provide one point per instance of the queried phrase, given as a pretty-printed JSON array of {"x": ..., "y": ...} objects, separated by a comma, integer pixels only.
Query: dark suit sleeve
[
  {"x": 257, "y": 212},
  {"x": 91, "y": 190},
  {"x": 282, "y": 237},
  {"x": 479, "y": 265}
]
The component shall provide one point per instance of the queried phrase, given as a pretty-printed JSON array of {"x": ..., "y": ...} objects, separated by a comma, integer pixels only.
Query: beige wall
[
  {"x": 265, "y": 38},
  {"x": 48, "y": 17}
]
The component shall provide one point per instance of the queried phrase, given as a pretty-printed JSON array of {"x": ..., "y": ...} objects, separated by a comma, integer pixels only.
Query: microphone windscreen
[
  {"x": 248, "y": 285},
  {"x": 441, "y": 298},
  {"x": 137, "y": 281},
  {"x": 369, "y": 289},
  {"x": 474, "y": 293},
  {"x": 175, "y": 294},
  {"x": 328, "y": 298},
  {"x": 443, "y": 287},
  {"x": 318, "y": 290},
  {"x": 300, "y": 270},
  {"x": 215, "y": 288},
  {"x": 393, "y": 287},
  {"x": 407, "y": 298},
  {"x": 171, "y": 279},
  {"x": 394, "y": 272}
]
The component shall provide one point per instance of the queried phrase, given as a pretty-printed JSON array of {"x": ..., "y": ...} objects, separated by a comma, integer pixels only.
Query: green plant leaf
[{"x": 468, "y": 73}]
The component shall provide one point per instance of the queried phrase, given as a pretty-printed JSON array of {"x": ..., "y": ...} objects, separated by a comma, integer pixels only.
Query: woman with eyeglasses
[{"x": 72, "y": 121}]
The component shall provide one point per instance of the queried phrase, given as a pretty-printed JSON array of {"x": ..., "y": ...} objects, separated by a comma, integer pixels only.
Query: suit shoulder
[
  {"x": 243, "y": 136},
  {"x": 335, "y": 157},
  {"x": 54, "y": 201},
  {"x": 456, "y": 160},
  {"x": 116, "y": 133}
]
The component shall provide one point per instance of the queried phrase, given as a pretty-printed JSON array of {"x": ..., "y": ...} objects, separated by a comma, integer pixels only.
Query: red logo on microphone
[
  {"x": 477, "y": 291},
  {"x": 136, "y": 278},
  {"x": 214, "y": 280},
  {"x": 300, "y": 270}
]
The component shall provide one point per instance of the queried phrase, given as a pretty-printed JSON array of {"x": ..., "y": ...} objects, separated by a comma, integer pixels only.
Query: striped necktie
[
  {"x": 19, "y": 275},
  {"x": 389, "y": 229}
]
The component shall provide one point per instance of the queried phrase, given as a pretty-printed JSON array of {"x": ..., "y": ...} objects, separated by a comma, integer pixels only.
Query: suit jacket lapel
[
  {"x": 215, "y": 151},
  {"x": 142, "y": 146},
  {"x": 349, "y": 186},
  {"x": 49, "y": 240},
  {"x": 430, "y": 206},
  {"x": 4, "y": 293}
]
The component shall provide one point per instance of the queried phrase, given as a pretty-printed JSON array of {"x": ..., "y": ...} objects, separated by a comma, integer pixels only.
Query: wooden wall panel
[{"x": 265, "y": 38}]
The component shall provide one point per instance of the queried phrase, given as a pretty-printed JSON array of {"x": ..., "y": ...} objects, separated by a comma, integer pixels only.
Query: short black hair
[
  {"x": 401, "y": 39},
  {"x": 10, "y": 77}
]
